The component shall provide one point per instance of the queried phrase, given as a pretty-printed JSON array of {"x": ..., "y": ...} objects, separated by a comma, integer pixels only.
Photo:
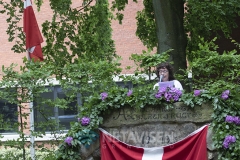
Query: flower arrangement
[
  {"x": 82, "y": 132},
  {"x": 169, "y": 94}
]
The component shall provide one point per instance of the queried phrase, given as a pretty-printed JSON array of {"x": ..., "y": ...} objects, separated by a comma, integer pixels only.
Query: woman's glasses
[{"x": 163, "y": 71}]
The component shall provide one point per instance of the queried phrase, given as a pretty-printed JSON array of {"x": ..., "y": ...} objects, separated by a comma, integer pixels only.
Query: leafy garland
[{"x": 225, "y": 117}]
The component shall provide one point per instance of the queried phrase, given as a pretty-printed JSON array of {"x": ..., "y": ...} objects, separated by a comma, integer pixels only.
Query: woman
[{"x": 165, "y": 73}]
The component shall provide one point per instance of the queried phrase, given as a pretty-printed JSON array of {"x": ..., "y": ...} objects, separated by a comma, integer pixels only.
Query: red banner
[{"x": 193, "y": 147}]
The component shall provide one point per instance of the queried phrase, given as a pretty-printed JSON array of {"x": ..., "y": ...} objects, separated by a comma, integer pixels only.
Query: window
[
  {"x": 8, "y": 117},
  {"x": 127, "y": 84},
  {"x": 44, "y": 112}
]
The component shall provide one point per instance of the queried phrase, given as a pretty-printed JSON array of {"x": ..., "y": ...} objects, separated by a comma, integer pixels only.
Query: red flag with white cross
[
  {"x": 32, "y": 32},
  {"x": 192, "y": 147}
]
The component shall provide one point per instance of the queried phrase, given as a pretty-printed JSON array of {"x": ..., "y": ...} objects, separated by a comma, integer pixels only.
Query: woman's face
[{"x": 165, "y": 74}]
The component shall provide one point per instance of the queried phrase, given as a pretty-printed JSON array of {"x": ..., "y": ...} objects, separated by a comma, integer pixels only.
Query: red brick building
[{"x": 124, "y": 35}]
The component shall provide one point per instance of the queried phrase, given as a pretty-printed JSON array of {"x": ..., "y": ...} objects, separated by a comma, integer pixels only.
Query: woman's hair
[{"x": 168, "y": 67}]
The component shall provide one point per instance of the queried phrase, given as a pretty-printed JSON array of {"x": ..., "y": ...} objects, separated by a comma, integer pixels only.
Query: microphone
[{"x": 161, "y": 76}]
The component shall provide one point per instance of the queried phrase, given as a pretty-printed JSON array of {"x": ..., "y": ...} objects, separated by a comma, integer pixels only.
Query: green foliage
[
  {"x": 146, "y": 26},
  {"x": 191, "y": 100},
  {"x": 118, "y": 6},
  {"x": 212, "y": 69},
  {"x": 80, "y": 50},
  {"x": 223, "y": 108},
  {"x": 146, "y": 62},
  {"x": 82, "y": 137},
  {"x": 65, "y": 5},
  {"x": 15, "y": 154},
  {"x": 79, "y": 53},
  {"x": 18, "y": 88},
  {"x": 210, "y": 83},
  {"x": 214, "y": 73},
  {"x": 94, "y": 107},
  {"x": 207, "y": 18},
  {"x": 76, "y": 36},
  {"x": 143, "y": 96},
  {"x": 14, "y": 11},
  {"x": 31, "y": 84}
]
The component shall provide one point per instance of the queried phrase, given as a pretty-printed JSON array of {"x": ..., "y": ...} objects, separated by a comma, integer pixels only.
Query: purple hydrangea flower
[
  {"x": 233, "y": 119},
  {"x": 104, "y": 95},
  {"x": 228, "y": 140},
  {"x": 173, "y": 94},
  {"x": 229, "y": 119},
  {"x": 233, "y": 139},
  {"x": 225, "y": 94},
  {"x": 129, "y": 93},
  {"x": 197, "y": 92},
  {"x": 226, "y": 145},
  {"x": 85, "y": 121},
  {"x": 157, "y": 95},
  {"x": 160, "y": 92},
  {"x": 236, "y": 120},
  {"x": 176, "y": 93},
  {"x": 168, "y": 96},
  {"x": 169, "y": 93},
  {"x": 69, "y": 140}
]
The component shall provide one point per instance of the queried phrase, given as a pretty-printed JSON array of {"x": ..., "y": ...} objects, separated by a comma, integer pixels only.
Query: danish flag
[
  {"x": 192, "y": 147},
  {"x": 32, "y": 32}
]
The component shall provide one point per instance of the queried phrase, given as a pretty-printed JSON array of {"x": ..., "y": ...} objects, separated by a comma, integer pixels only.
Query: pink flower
[
  {"x": 129, "y": 93},
  {"x": 229, "y": 119},
  {"x": 85, "y": 121},
  {"x": 69, "y": 140},
  {"x": 104, "y": 95},
  {"x": 169, "y": 93},
  {"x": 225, "y": 94},
  {"x": 197, "y": 92},
  {"x": 228, "y": 140}
]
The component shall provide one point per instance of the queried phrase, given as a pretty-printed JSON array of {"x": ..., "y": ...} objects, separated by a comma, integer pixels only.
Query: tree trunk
[{"x": 170, "y": 32}]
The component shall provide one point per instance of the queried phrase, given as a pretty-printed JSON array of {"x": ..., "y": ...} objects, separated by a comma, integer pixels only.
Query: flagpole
[
  {"x": 32, "y": 138},
  {"x": 33, "y": 46}
]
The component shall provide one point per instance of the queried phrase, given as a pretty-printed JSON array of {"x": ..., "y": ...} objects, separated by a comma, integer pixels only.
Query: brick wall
[{"x": 124, "y": 35}]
